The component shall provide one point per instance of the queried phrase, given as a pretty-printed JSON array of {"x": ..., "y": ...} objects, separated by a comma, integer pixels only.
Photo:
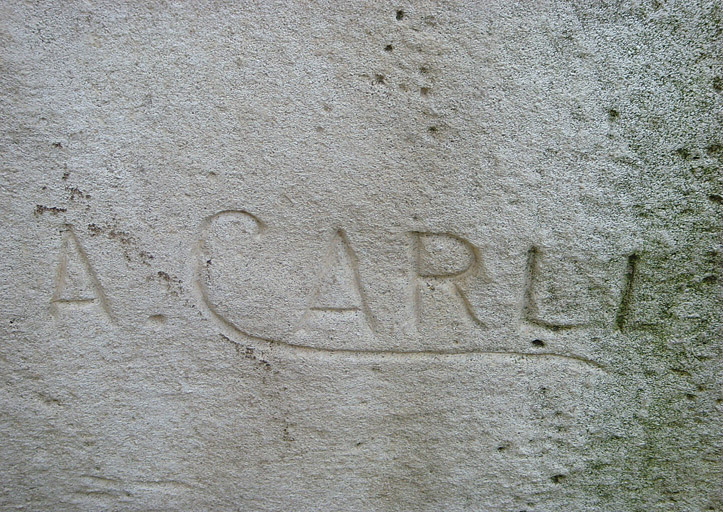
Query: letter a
[
  {"x": 76, "y": 283},
  {"x": 339, "y": 287}
]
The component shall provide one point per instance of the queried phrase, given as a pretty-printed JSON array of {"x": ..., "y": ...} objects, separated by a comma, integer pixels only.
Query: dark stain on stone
[
  {"x": 250, "y": 353},
  {"x": 94, "y": 229},
  {"x": 127, "y": 240},
  {"x": 76, "y": 193},
  {"x": 53, "y": 210}
]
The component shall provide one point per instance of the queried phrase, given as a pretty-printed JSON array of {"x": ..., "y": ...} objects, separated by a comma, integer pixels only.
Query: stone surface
[{"x": 361, "y": 256}]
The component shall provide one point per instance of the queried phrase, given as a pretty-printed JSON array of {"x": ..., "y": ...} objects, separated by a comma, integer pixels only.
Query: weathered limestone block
[{"x": 361, "y": 256}]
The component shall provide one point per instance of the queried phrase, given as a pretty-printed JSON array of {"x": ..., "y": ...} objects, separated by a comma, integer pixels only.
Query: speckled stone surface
[{"x": 406, "y": 256}]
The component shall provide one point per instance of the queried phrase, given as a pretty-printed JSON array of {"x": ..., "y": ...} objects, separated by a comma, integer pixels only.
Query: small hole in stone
[
  {"x": 538, "y": 343},
  {"x": 613, "y": 114},
  {"x": 716, "y": 198},
  {"x": 683, "y": 153},
  {"x": 400, "y": 14},
  {"x": 379, "y": 79},
  {"x": 557, "y": 478},
  {"x": 157, "y": 319},
  {"x": 424, "y": 69},
  {"x": 432, "y": 129},
  {"x": 388, "y": 48},
  {"x": 424, "y": 91}
]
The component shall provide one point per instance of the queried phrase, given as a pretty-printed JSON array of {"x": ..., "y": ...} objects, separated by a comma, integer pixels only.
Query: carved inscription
[
  {"x": 567, "y": 293},
  {"x": 530, "y": 310},
  {"x": 621, "y": 319},
  {"x": 432, "y": 263},
  {"x": 76, "y": 283},
  {"x": 336, "y": 300},
  {"x": 313, "y": 290},
  {"x": 404, "y": 293},
  {"x": 338, "y": 292}
]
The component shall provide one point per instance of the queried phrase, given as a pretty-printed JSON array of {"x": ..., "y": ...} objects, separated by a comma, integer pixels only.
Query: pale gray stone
[{"x": 361, "y": 256}]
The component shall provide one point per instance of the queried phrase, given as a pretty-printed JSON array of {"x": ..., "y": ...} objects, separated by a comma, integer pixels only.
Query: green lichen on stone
[{"x": 667, "y": 456}]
